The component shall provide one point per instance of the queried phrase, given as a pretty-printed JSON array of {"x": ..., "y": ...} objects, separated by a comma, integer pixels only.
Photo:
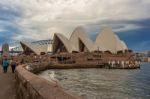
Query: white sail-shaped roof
[
  {"x": 59, "y": 38},
  {"x": 79, "y": 41},
  {"x": 73, "y": 44},
  {"x": 108, "y": 41},
  {"x": 121, "y": 46},
  {"x": 124, "y": 45},
  {"x": 37, "y": 49},
  {"x": 80, "y": 34}
]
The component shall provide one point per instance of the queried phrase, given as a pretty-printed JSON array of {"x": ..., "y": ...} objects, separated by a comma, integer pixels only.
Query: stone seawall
[
  {"x": 31, "y": 86},
  {"x": 36, "y": 68}
]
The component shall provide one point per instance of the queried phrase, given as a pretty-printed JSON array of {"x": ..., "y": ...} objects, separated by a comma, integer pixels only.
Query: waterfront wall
[
  {"x": 31, "y": 86},
  {"x": 36, "y": 68}
]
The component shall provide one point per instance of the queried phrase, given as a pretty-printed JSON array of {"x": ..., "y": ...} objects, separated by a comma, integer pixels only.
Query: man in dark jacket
[{"x": 13, "y": 65}]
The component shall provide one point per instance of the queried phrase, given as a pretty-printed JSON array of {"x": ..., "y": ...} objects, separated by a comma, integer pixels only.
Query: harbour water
[{"x": 105, "y": 83}]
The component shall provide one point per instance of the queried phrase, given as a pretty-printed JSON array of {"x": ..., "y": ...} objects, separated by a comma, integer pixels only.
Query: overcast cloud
[{"x": 40, "y": 19}]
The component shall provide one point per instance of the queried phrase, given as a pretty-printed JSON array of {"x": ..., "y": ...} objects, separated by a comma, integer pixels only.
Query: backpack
[{"x": 13, "y": 63}]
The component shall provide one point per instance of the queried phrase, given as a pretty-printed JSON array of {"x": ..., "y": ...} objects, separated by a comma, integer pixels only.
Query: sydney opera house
[
  {"x": 107, "y": 50},
  {"x": 79, "y": 41}
]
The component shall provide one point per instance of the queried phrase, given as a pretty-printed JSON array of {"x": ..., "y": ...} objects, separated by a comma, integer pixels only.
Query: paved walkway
[{"x": 7, "y": 81}]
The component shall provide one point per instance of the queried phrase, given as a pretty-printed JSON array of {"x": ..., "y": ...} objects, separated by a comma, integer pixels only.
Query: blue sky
[{"x": 40, "y": 19}]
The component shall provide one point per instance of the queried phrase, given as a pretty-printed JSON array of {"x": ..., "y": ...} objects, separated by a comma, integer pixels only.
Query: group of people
[{"x": 6, "y": 63}]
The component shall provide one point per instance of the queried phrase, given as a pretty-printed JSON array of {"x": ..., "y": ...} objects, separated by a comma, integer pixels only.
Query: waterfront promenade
[{"x": 7, "y": 84}]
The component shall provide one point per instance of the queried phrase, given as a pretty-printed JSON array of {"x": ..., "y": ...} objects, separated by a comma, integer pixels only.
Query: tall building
[{"x": 5, "y": 50}]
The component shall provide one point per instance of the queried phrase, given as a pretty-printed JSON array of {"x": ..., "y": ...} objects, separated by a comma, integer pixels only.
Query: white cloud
[
  {"x": 2, "y": 29},
  {"x": 127, "y": 27},
  {"x": 42, "y": 18}
]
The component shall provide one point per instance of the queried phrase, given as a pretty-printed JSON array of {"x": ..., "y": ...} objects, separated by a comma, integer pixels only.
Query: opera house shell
[
  {"x": 80, "y": 42},
  {"x": 33, "y": 48}
]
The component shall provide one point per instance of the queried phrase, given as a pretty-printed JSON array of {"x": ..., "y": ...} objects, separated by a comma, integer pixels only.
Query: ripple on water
[{"x": 104, "y": 83}]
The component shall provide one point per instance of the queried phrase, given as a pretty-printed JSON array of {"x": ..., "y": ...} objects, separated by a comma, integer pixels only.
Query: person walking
[
  {"x": 13, "y": 65},
  {"x": 5, "y": 64}
]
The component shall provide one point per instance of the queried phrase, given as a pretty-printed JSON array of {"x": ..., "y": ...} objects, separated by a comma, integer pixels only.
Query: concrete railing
[{"x": 31, "y": 86}]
